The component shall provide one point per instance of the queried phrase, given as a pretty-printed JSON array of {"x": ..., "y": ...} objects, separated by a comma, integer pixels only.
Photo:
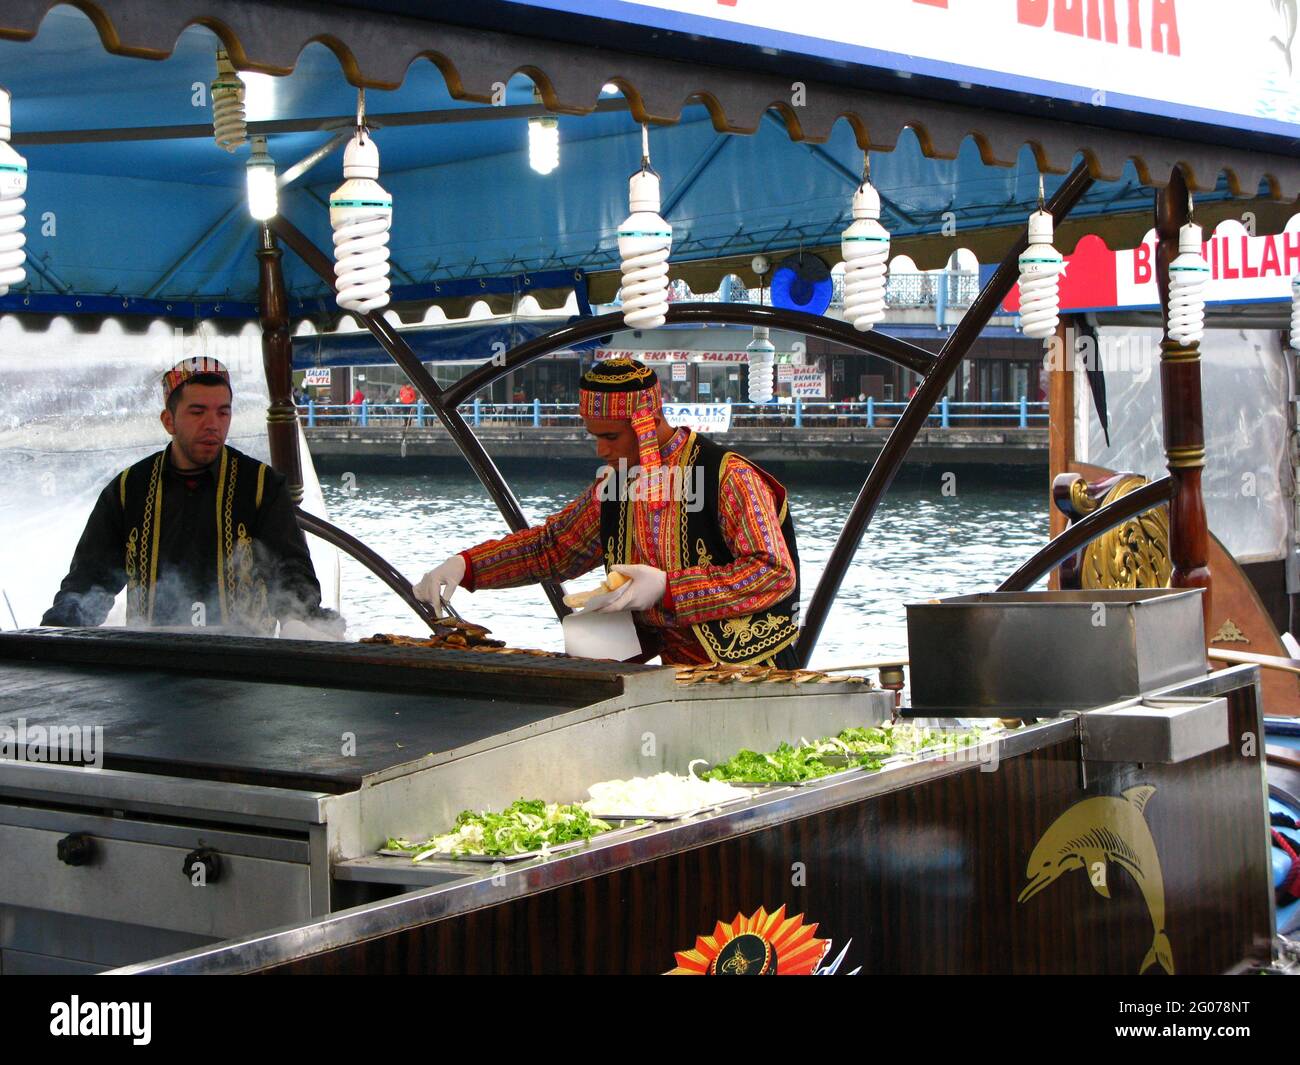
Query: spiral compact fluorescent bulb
[
  {"x": 762, "y": 364},
  {"x": 229, "y": 127},
  {"x": 644, "y": 242},
  {"x": 1041, "y": 266},
  {"x": 13, "y": 184},
  {"x": 1295, "y": 312},
  {"x": 361, "y": 213},
  {"x": 1188, "y": 276},
  {"x": 865, "y": 246}
]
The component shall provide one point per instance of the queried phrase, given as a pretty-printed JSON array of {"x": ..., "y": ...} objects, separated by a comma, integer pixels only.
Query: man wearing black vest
[
  {"x": 199, "y": 534},
  {"x": 703, "y": 536}
]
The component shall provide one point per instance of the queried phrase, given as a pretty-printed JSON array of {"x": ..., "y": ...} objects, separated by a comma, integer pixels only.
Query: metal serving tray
[
  {"x": 694, "y": 811},
  {"x": 563, "y": 848},
  {"x": 1030, "y": 654}
]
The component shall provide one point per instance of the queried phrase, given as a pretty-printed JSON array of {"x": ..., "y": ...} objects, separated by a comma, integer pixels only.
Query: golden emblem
[
  {"x": 1094, "y": 834},
  {"x": 1229, "y": 633}
]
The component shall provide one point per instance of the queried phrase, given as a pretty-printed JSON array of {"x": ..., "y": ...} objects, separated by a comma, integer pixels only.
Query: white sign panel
[
  {"x": 1242, "y": 268},
  {"x": 807, "y": 381},
  {"x": 679, "y": 371},
  {"x": 317, "y": 377},
  {"x": 702, "y": 417},
  {"x": 1230, "y": 64}
]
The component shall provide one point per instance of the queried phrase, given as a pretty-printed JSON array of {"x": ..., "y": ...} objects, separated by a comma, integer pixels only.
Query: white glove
[
  {"x": 439, "y": 584},
  {"x": 644, "y": 588},
  {"x": 327, "y": 629}
]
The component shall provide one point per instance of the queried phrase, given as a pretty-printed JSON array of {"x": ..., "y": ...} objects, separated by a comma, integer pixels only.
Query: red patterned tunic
[{"x": 568, "y": 544}]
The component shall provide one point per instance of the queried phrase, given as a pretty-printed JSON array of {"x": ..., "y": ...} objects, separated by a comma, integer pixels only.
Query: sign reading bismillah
[{"x": 1230, "y": 65}]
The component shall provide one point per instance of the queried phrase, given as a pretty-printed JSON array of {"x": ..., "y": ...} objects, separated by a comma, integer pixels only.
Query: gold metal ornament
[{"x": 1134, "y": 554}]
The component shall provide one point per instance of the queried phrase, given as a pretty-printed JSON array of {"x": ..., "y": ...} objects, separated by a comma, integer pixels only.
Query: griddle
[{"x": 275, "y": 713}]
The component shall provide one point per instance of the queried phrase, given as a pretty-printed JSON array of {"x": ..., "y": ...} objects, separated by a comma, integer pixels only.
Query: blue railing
[{"x": 801, "y": 413}]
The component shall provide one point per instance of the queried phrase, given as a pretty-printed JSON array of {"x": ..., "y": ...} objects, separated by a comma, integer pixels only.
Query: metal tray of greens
[
  {"x": 520, "y": 832},
  {"x": 676, "y": 815}
]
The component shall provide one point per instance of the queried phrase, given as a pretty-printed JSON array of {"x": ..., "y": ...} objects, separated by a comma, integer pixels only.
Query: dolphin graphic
[
  {"x": 1105, "y": 830},
  {"x": 1286, "y": 10}
]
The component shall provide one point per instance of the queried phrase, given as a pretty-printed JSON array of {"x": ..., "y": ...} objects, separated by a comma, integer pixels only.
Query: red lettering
[
  {"x": 1228, "y": 272},
  {"x": 1164, "y": 27},
  {"x": 1092, "y": 25},
  {"x": 932, "y": 3},
  {"x": 1111, "y": 28},
  {"x": 1067, "y": 17},
  {"x": 1032, "y": 12},
  {"x": 1142, "y": 264},
  {"x": 1270, "y": 265},
  {"x": 1134, "y": 24},
  {"x": 1291, "y": 244},
  {"x": 1246, "y": 269}
]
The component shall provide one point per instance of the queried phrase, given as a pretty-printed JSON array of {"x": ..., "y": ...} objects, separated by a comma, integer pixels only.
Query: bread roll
[{"x": 578, "y": 600}]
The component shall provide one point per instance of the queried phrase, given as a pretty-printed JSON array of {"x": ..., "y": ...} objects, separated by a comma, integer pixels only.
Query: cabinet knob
[
  {"x": 208, "y": 860},
  {"x": 76, "y": 849}
]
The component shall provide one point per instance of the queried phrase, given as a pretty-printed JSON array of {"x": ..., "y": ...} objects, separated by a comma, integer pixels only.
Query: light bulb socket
[
  {"x": 361, "y": 157},
  {"x": 643, "y": 192},
  {"x": 1040, "y": 228},
  {"x": 1189, "y": 239},
  {"x": 866, "y": 201}
]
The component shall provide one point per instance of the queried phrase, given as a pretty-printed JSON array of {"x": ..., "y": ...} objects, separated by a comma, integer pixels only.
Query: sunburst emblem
[{"x": 764, "y": 944}]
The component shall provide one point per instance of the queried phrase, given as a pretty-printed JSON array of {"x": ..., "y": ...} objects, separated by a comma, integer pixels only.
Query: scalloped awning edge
[{"x": 375, "y": 50}]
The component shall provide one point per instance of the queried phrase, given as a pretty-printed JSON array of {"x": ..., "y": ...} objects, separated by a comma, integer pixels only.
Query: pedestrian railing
[{"x": 797, "y": 413}]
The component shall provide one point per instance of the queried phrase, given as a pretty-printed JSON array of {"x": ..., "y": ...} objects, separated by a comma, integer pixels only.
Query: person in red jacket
[{"x": 703, "y": 536}]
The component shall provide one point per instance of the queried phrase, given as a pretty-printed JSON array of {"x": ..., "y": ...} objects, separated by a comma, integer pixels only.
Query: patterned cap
[
  {"x": 627, "y": 390},
  {"x": 191, "y": 367}
]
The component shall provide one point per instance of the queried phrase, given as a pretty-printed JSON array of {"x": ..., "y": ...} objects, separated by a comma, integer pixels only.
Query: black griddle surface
[{"x": 273, "y": 734}]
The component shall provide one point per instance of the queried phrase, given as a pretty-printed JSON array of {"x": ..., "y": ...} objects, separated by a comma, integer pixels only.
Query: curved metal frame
[
  {"x": 369, "y": 558},
  {"x": 1086, "y": 530},
  {"x": 936, "y": 373}
]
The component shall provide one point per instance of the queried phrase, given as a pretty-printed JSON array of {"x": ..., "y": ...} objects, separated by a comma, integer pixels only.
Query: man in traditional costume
[
  {"x": 199, "y": 533},
  {"x": 703, "y": 537}
]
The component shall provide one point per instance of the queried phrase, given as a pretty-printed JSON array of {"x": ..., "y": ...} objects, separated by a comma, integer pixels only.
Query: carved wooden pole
[
  {"x": 277, "y": 359},
  {"x": 1184, "y": 423}
]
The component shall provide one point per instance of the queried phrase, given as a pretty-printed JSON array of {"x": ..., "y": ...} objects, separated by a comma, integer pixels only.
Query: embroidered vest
[
  {"x": 240, "y": 588},
  {"x": 692, "y": 536}
]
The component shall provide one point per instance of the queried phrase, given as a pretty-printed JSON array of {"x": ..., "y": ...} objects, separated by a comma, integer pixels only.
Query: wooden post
[
  {"x": 1060, "y": 429},
  {"x": 277, "y": 360},
  {"x": 1184, "y": 423}
]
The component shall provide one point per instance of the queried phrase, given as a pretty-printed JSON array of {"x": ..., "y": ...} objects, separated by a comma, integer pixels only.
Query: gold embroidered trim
[
  {"x": 149, "y": 543},
  {"x": 261, "y": 484}
]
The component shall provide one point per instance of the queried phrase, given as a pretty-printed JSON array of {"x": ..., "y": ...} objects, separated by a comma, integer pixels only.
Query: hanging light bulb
[
  {"x": 1041, "y": 266},
  {"x": 1188, "y": 276},
  {"x": 762, "y": 362},
  {"x": 1295, "y": 312},
  {"x": 865, "y": 246},
  {"x": 361, "y": 213},
  {"x": 13, "y": 184},
  {"x": 544, "y": 143},
  {"x": 644, "y": 241},
  {"x": 543, "y": 139},
  {"x": 229, "y": 128},
  {"x": 263, "y": 196}
]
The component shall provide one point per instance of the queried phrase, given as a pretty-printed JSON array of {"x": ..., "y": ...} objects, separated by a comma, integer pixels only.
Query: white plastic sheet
[{"x": 1247, "y": 481}]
